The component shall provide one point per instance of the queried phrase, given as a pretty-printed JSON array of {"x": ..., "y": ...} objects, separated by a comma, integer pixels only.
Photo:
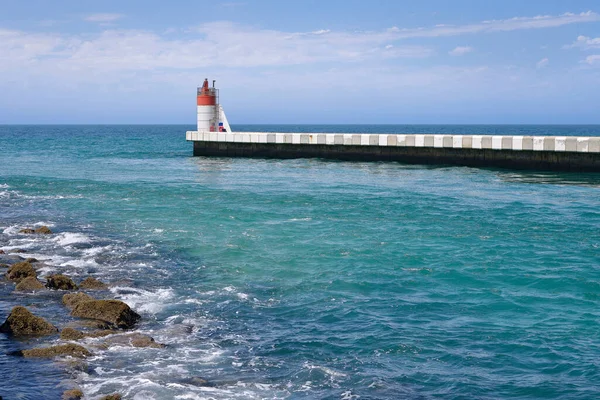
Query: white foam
[
  {"x": 141, "y": 300},
  {"x": 67, "y": 238}
]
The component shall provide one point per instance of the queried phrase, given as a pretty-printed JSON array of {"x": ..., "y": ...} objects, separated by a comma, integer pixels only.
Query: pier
[{"x": 556, "y": 153}]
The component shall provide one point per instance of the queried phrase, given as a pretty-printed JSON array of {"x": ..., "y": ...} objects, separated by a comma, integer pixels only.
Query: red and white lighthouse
[{"x": 211, "y": 117}]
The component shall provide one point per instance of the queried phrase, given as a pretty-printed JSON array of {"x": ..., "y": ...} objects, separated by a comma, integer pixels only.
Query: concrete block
[
  {"x": 457, "y": 141},
  {"x": 411, "y": 141},
  {"x": 213, "y": 137},
  {"x": 304, "y": 139},
  {"x": 559, "y": 143},
  {"x": 229, "y": 137},
  {"x": 392, "y": 140},
  {"x": 467, "y": 142},
  {"x": 348, "y": 139},
  {"x": 338, "y": 139},
  {"x": 330, "y": 138},
  {"x": 287, "y": 138},
  {"x": 382, "y": 140},
  {"x": 295, "y": 138},
  {"x": 538, "y": 143},
  {"x": 486, "y": 142},
  {"x": 401, "y": 141},
  {"x": 438, "y": 141},
  {"x": 245, "y": 138},
  {"x": 527, "y": 142},
  {"x": 549, "y": 143},
  {"x": 497, "y": 142},
  {"x": 262, "y": 138},
  {"x": 271, "y": 138},
  {"x": 594, "y": 145},
  {"x": 428, "y": 141},
  {"x": 321, "y": 139},
  {"x": 356, "y": 139},
  {"x": 517, "y": 142},
  {"x": 237, "y": 137},
  {"x": 448, "y": 142},
  {"x": 477, "y": 142},
  {"x": 364, "y": 139},
  {"x": 419, "y": 140},
  {"x": 582, "y": 144},
  {"x": 373, "y": 140},
  {"x": 506, "y": 143},
  {"x": 279, "y": 138},
  {"x": 571, "y": 144}
]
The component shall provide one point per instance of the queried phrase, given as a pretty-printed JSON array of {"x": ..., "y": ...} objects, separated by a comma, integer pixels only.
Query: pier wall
[{"x": 515, "y": 152}]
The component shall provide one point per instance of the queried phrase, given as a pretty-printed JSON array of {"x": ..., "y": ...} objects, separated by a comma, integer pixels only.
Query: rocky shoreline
[{"x": 89, "y": 309}]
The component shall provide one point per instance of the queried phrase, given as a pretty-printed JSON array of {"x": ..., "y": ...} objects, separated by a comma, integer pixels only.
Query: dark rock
[
  {"x": 114, "y": 396},
  {"x": 133, "y": 340},
  {"x": 93, "y": 284},
  {"x": 73, "y": 394},
  {"x": 19, "y": 271},
  {"x": 44, "y": 230},
  {"x": 70, "y": 349},
  {"x": 71, "y": 334},
  {"x": 70, "y": 300},
  {"x": 197, "y": 381},
  {"x": 30, "y": 283},
  {"x": 31, "y": 260},
  {"x": 114, "y": 312},
  {"x": 4, "y": 266},
  {"x": 21, "y": 322},
  {"x": 2, "y": 251},
  {"x": 27, "y": 231},
  {"x": 60, "y": 282},
  {"x": 18, "y": 251}
]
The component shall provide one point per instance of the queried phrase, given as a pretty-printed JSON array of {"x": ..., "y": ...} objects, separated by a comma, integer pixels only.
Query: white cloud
[
  {"x": 592, "y": 60},
  {"x": 585, "y": 43},
  {"x": 543, "y": 63},
  {"x": 103, "y": 17},
  {"x": 461, "y": 50}
]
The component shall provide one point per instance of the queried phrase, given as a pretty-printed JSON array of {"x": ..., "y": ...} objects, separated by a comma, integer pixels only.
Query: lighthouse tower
[{"x": 211, "y": 117}]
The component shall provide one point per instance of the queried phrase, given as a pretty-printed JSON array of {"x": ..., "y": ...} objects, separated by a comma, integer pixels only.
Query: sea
[{"x": 308, "y": 278}]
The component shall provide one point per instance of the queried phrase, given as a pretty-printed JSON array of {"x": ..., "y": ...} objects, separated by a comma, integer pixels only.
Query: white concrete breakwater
[{"x": 530, "y": 152}]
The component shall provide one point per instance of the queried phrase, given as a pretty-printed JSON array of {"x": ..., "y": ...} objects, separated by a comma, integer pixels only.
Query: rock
[
  {"x": 4, "y": 266},
  {"x": 27, "y": 231},
  {"x": 29, "y": 284},
  {"x": 21, "y": 322},
  {"x": 197, "y": 381},
  {"x": 2, "y": 251},
  {"x": 44, "y": 230},
  {"x": 18, "y": 251},
  {"x": 93, "y": 283},
  {"x": 114, "y": 396},
  {"x": 73, "y": 394},
  {"x": 70, "y": 300},
  {"x": 31, "y": 260},
  {"x": 60, "y": 282},
  {"x": 133, "y": 340},
  {"x": 19, "y": 271},
  {"x": 70, "y": 349},
  {"x": 71, "y": 334},
  {"x": 114, "y": 312}
]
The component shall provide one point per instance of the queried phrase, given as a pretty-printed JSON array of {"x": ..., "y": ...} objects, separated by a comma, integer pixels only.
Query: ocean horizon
[{"x": 279, "y": 279}]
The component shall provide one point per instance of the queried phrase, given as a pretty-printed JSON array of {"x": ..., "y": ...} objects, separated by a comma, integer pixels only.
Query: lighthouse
[{"x": 211, "y": 117}]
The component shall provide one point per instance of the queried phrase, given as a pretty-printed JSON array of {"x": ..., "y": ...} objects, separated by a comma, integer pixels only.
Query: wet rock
[
  {"x": 70, "y": 349},
  {"x": 31, "y": 260},
  {"x": 114, "y": 312},
  {"x": 71, "y": 334},
  {"x": 44, "y": 230},
  {"x": 114, "y": 396},
  {"x": 27, "y": 231},
  {"x": 4, "y": 266},
  {"x": 70, "y": 300},
  {"x": 2, "y": 251},
  {"x": 197, "y": 381},
  {"x": 18, "y": 251},
  {"x": 93, "y": 283},
  {"x": 60, "y": 282},
  {"x": 133, "y": 340},
  {"x": 21, "y": 322},
  {"x": 19, "y": 271},
  {"x": 73, "y": 394},
  {"x": 29, "y": 284}
]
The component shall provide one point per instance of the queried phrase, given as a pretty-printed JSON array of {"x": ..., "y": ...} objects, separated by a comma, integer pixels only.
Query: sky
[{"x": 301, "y": 62}]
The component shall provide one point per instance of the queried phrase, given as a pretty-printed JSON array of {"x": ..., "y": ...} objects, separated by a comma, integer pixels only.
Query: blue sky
[{"x": 427, "y": 61}]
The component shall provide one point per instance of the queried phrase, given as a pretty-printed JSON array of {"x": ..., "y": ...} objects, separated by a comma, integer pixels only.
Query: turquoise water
[{"x": 307, "y": 278}]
